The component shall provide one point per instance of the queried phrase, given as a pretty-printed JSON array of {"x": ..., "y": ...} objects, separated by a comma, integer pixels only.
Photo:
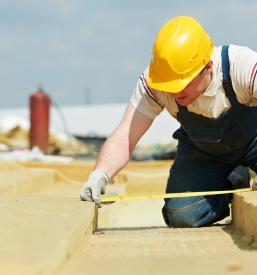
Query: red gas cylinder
[{"x": 39, "y": 120}]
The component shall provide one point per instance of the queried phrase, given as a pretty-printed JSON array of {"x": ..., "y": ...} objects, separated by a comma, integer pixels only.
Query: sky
[{"x": 92, "y": 52}]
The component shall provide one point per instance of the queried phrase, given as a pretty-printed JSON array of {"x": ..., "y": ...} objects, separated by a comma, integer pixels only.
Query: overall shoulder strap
[{"x": 226, "y": 82}]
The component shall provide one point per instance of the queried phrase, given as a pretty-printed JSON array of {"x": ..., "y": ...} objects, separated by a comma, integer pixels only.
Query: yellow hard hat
[{"x": 181, "y": 50}]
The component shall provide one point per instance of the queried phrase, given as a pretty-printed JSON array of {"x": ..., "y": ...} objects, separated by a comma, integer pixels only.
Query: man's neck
[{"x": 208, "y": 81}]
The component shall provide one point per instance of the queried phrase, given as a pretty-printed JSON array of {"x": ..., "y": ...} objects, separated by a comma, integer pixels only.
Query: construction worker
[{"x": 212, "y": 92}]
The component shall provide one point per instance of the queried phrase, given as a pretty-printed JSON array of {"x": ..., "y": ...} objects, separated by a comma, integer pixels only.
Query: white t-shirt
[{"x": 213, "y": 102}]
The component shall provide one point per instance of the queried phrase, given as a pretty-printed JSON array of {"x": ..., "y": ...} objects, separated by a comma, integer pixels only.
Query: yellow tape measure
[{"x": 108, "y": 198}]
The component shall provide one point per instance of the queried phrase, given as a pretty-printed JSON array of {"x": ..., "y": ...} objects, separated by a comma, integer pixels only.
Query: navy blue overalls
[{"x": 208, "y": 151}]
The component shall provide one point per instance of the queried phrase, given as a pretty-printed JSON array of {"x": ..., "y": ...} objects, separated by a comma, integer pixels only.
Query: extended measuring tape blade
[{"x": 107, "y": 198}]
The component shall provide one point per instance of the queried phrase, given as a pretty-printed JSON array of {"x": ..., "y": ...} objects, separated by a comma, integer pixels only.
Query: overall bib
[{"x": 208, "y": 151}]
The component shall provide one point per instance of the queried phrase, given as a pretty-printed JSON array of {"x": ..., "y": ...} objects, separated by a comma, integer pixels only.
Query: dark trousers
[{"x": 194, "y": 171}]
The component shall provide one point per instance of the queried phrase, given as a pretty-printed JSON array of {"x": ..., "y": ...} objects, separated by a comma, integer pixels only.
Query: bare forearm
[
  {"x": 117, "y": 149},
  {"x": 115, "y": 152},
  {"x": 114, "y": 155}
]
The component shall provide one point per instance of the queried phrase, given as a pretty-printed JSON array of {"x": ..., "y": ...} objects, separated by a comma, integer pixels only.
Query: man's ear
[{"x": 209, "y": 67}]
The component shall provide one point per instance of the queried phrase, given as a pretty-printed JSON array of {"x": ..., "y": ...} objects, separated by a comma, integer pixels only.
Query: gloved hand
[{"x": 94, "y": 186}]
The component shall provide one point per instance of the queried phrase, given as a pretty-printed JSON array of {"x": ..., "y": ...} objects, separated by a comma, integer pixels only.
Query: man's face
[{"x": 195, "y": 88}]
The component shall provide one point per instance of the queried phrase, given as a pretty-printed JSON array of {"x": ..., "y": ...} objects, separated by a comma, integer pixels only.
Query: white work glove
[{"x": 94, "y": 186}]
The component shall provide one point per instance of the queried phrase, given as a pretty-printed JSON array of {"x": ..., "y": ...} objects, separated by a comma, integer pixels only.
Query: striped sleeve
[
  {"x": 244, "y": 74},
  {"x": 145, "y": 99},
  {"x": 253, "y": 80}
]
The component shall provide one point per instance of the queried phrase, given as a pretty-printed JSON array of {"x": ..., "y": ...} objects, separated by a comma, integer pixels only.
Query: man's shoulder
[
  {"x": 145, "y": 73},
  {"x": 230, "y": 46},
  {"x": 233, "y": 52}
]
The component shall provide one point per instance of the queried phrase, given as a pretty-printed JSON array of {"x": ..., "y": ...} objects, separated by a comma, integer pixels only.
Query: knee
[
  {"x": 176, "y": 218},
  {"x": 201, "y": 212},
  {"x": 240, "y": 177}
]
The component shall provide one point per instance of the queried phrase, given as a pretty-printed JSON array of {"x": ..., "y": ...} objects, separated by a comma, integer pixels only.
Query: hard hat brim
[{"x": 172, "y": 86}]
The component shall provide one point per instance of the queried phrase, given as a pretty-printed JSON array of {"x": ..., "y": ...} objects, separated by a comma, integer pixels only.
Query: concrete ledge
[
  {"x": 79, "y": 170},
  {"x": 25, "y": 181},
  {"x": 10, "y": 166},
  {"x": 244, "y": 215},
  {"x": 75, "y": 170},
  {"x": 38, "y": 233}
]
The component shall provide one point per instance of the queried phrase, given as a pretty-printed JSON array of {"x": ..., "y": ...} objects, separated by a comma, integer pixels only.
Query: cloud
[
  {"x": 66, "y": 8},
  {"x": 69, "y": 44},
  {"x": 241, "y": 8}
]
